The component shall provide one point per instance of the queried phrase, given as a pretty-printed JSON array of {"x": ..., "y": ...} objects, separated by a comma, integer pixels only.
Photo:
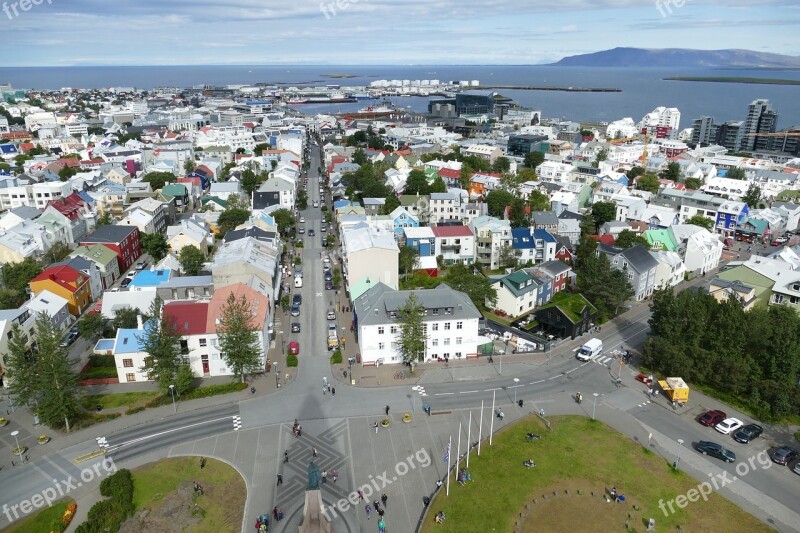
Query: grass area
[
  {"x": 572, "y": 304},
  {"x": 223, "y": 497},
  {"x": 41, "y": 521},
  {"x": 118, "y": 399},
  {"x": 506, "y": 320},
  {"x": 577, "y": 455}
]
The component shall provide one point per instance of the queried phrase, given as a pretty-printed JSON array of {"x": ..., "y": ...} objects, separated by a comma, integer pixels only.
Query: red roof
[
  {"x": 69, "y": 206},
  {"x": 194, "y": 180},
  {"x": 604, "y": 239},
  {"x": 452, "y": 231},
  {"x": 449, "y": 173},
  {"x": 24, "y": 147},
  {"x": 63, "y": 275},
  {"x": 189, "y": 318}
]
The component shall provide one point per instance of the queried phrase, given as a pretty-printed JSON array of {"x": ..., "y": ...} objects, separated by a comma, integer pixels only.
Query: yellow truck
[{"x": 675, "y": 389}]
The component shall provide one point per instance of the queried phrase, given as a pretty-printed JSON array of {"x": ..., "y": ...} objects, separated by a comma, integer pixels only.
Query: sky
[{"x": 378, "y": 32}]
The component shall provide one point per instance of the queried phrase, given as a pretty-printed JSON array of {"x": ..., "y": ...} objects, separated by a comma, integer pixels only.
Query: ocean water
[{"x": 642, "y": 88}]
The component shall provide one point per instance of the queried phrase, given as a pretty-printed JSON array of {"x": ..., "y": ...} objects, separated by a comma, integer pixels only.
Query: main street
[{"x": 253, "y": 434}]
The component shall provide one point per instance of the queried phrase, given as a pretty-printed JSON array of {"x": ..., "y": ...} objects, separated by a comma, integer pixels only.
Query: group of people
[
  {"x": 324, "y": 476},
  {"x": 463, "y": 476},
  {"x": 198, "y": 488},
  {"x": 297, "y": 429},
  {"x": 262, "y": 523},
  {"x": 615, "y": 496},
  {"x": 440, "y": 517},
  {"x": 375, "y": 505}
]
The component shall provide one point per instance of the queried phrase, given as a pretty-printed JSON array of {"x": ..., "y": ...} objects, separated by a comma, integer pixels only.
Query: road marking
[
  {"x": 173, "y": 430},
  {"x": 102, "y": 442},
  {"x": 535, "y": 382},
  {"x": 490, "y": 390},
  {"x": 467, "y": 391},
  {"x": 444, "y": 393},
  {"x": 573, "y": 370},
  {"x": 515, "y": 386},
  {"x": 237, "y": 423},
  {"x": 554, "y": 377}
]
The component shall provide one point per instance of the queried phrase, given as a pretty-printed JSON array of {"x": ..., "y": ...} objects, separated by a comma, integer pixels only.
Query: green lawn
[
  {"x": 578, "y": 455},
  {"x": 41, "y": 521},
  {"x": 117, "y": 399}
]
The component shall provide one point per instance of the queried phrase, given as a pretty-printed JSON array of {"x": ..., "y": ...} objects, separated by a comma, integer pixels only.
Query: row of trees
[
  {"x": 750, "y": 356},
  {"x": 605, "y": 287}
]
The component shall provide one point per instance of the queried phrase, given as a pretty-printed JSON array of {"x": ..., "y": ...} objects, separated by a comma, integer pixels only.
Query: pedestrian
[
  {"x": 280, "y": 480},
  {"x": 387, "y": 410},
  {"x": 380, "y": 512},
  {"x": 269, "y": 363},
  {"x": 344, "y": 373},
  {"x": 275, "y": 513},
  {"x": 333, "y": 391},
  {"x": 299, "y": 431},
  {"x": 324, "y": 476},
  {"x": 361, "y": 496},
  {"x": 384, "y": 498},
  {"x": 541, "y": 413},
  {"x": 334, "y": 475},
  {"x": 286, "y": 456},
  {"x": 377, "y": 505},
  {"x": 368, "y": 510},
  {"x": 376, "y": 427},
  {"x": 324, "y": 390},
  {"x": 202, "y": 463},
  {"x": 314, "y": 452},
  {"x": 286, "y": 378},
  {"x": 329, "y": 388}
]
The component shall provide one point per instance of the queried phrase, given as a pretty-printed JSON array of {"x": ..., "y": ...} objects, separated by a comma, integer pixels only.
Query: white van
[
  {"x": 298, "y": 282},
  {"x": 590, "y": 350}
]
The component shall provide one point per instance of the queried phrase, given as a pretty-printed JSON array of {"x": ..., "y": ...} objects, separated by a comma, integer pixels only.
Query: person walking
[
  {"x": 387, "y": 410},
  {"x": 360, "y": 495},
  {"x": 286, "y": 456},
  {"x": 280, "y": 480},
  {"x": 314, "y": 453},
  {"x": 368, "y": 509},
  {"x": 376, "y": 427},
  {"x": 384, "y": 498},
  {"x": 334, "y": 475},
  {"x": 333, "y": 391}
]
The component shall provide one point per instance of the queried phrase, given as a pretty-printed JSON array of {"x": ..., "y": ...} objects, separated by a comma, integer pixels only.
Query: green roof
[
  {"x": 360, "y": 288},
  {"x": 175, "y": 189},
  {"x": 96, "y": 252},
  {"x": 759, "y": 224},
  {"x": 663, "y": 237},
  {"x": 215, "y": 199},
  {"x": 572, "y": 305}
]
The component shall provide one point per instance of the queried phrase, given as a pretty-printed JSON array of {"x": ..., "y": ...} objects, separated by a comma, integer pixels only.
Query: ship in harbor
[{"x": 383, "y": 110}]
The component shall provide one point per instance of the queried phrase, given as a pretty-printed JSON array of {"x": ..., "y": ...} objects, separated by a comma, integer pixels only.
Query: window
[
  {"x": 380, "y": 330},
  {"x": 203, "y": 343},
  {"x": 435, "y": 342},
  {"x": 459, "y": 339},
  {"x": 127, "y": 363},
  {"x": 459, "y": 325},
  {"x": 393, "y": 329},
  {"x": 448, "y": 310},
  {"x": 434, "y": 311},
  {"x": 381, "y": 346},
  {"x": 130, "y": 377},
  {"x": 435, "y": 327},
  {"x": 458, "y": 354},
  {"x": 447, "y": 326}
]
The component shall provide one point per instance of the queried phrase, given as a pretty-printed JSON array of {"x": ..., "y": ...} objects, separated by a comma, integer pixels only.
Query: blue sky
[{"x": 179, "y": 32}]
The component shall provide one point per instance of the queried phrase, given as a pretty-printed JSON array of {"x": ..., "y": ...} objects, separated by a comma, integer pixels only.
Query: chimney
[{"x": 139, "y": 324}]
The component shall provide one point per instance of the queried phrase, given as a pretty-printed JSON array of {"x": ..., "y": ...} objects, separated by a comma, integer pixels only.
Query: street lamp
[
  {"x": 516, "y": 380},
  {"x": 14, "y": 434},
  {"x": 172, "y": 392},
  {"x": 277, "y": 375},
  {"x": 677, "y": 454},
  {"x": 595, "y": 404}
]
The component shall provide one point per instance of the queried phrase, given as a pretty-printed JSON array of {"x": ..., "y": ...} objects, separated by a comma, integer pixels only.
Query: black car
[
  {"x": 125, "y": 282},
  {"x": 328, "y": 275},
  {"x": 70, "y": 337},
  {"x": 297, "y": 299},
  {"x": 748, "y": 433},
  {"x": 295, "y": 310},
  {"x": 784, "y": 455},
  {"x": 329, "y": 285},
  {"x": 311, "y": 233},
  {"x": 295, "y": 327},
  {"x": 715, "y": 450}
]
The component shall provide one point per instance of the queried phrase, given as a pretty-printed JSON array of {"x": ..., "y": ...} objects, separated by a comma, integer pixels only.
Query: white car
[
  {"x": 316, "y": 204},
  {"x": 302, "y": 220},
  {"x": 729, "y": 425}
]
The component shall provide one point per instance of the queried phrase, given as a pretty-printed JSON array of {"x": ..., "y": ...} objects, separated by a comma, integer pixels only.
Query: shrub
[
  {"x": 134, "y": 410},
  {"x": 108, "y": 514},
  {"x": 99, "y": 361},
  {"x": 291, "y": 360},
  {"x": 336, "y": 358}
]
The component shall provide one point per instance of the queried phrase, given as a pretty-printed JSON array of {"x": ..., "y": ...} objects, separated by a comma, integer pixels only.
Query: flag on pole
[{"x": 447, "y": 454}]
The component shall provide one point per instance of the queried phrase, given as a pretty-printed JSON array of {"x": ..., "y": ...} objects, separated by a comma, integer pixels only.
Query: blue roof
[
  {"x": 127, "y": 341},
  {"x": 8, "y": 148},
  {"x": 522, "y": 239},
  {"x": 345, "y": 203},
  {"x": 543, "y": 234},
  {"x": 104, "y": 345},
  {"x": 86, "y": 197},
  {"x": 151, "y": 278}
]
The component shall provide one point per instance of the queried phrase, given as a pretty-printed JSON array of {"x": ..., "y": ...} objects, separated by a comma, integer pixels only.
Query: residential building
[
  {"x": 247, "y": 261},
  {"x": 157, "y": 211},
  {"x": 23, "y": 318},
  {"x": 517, "y": 294},
  {"x": 422, "y": 240},
  {"x": 369, "y": 253},
  {"x": 90, "y": 269},
  {"x": 106, "y": 260},
  {"x": 491, "y": 236},
  {"x": 190, "y": 232},
  {"x": 533, "y": 245},
  {"x": 522, "y": 145},
  {"x": 456, "y": 244},
  {"x": 729, "y": 215},
  {"x": 484, "y": 151},
  {"x": 638, "y": 265},
  {"x": 450, "y": 322},
  {"x": 124, "y": 240},
  {"x": 566, "y": 315},
  {"x": 761, "y": 118},
  {"x": 67, "y": 282},
  {"x": 56, "y": 307},
  {"x": 186, "y": 288},
  {"x": 671, "y": 270}
]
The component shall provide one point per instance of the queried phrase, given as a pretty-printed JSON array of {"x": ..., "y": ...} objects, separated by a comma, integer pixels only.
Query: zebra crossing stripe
[
  {"x": 102, "y": 442},
  {"x": 237, "y": 423}
]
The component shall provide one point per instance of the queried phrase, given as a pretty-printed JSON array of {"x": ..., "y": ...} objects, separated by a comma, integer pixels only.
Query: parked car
[
  {"x": 796, "y": 468},
  {"x": 297, "y": 299},
  {"x": 328, "y": 275},
  {"x": 70, "y": 337},
  {"x": 331, "y": 314},
  {"x": 301, "y": 230},
  {"x": 748, "y": 433},
  {"x": 328, "y": 285},
  {"x": 294, "y": 348},
  {"x": 729, "y": 425},
  {"x": 295, "y": 327},
  {"x": 784, "y": 455},
  {"x": 715, "y": 450},
  {"x": 323, "y": 227},
  {"x": 126, "y": 282},
  {"x": 712, "y": 418},
  {"x": 141, "y": 265},
  {"x": 302, "y": 220},
  {"x": 295, "y": 310}
]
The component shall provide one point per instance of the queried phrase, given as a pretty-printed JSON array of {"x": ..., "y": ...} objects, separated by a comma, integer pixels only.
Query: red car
[
  {"x": 294, "y": 348},
  {"x": 712, "y": 418}
]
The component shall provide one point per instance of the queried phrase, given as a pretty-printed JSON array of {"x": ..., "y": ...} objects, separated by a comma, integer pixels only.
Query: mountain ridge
[{"x": 679, "y": 57}]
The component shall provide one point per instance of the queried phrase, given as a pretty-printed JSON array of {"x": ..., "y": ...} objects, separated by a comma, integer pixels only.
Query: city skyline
[{"x": 378, "y": 32}]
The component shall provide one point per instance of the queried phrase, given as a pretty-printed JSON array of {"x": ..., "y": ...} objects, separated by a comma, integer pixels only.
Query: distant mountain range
[{"x": 680, "y": 57}]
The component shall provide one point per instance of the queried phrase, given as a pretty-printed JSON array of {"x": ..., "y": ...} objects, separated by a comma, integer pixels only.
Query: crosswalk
[
  {"x": 420, "y": 389},
  {"x": 601, "y": 359},
  {"x": 237, "y": 423},
  {"x": 102, "y": 442}
]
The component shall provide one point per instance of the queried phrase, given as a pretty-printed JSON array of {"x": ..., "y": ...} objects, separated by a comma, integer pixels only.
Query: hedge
[
  {"x": 199, "y": 392},
  {"x": 109, "y": 514},
  {"x": 291, "y": 360},
  {"x": 336, "y": 358}
]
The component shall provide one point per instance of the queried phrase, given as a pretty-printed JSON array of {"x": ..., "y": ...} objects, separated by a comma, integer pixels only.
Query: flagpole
[
  {"x": 447, "y": 488},
  {"x": 469, "y": 436},
  {"x": 458, "y": 451},
  {"x": 491, "y": 424},
  {"x": 480, "y": 431}
]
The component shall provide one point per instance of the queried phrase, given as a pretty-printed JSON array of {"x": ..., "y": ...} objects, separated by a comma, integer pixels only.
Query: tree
[
  {"x": 693, "y": 183},
  {"x": 127, "y": 318},
  {"x": 22, "y": 378},
  {"x": 184, "y": 379},
  {"x": 411, "y": 338},
  {"x": 157, "y": 180},
  {"x": 230, "y": 218},
  {"x": 238, "y": 336},
  {"x": 359, "y": 157},
  {"x": 672, "y": 172},
  {"x": 249, "y": 181},
  {"x": 700, "y": 220},
  {"x": 104, "y": 219},
  {"x": 753, "y": 196},
  {"x": 191, "y": 260},
  {"x": 497, "y": 200},
  {"x": 525, "y": 175},
  {"x": 628, "y": 239},
  {"x": 538, "y": 201},
  {"x": 507, "y": 258},
  {"x": 634, "y": 173},
  {"x": 438, "y": 185},
  {"x": 16, "y": 276},
  {"x": 162, "y": 344},
  {"x": 90, "y": 325},
  {"x": 336, "y": 278},
  {"x": 602, "y": 155},
  {"x": 605, "y": 287},
  {"x": 67, "y": 172},
  {"x": 476, "y": 286},
  {"x": 603, "y": 212},
  {"x": 408, "y": 260},
  {"x": 155, "y": 245},
  {"x": 735, "y": 174},
  {"x": 517, "y": 214},
  {"x": 57, "y": 252},
  {"x": 534, "y": 159},
  {"x": 302, "y": 199},
  {"x": 417, "y": 183},
  {"x": 284, "y": 219},
  {"x": 390, "y": 205},
  {"x": 501, "y": 165},
  {"x": 57, "y": 382},
  {"x": 649, "y": 183}
]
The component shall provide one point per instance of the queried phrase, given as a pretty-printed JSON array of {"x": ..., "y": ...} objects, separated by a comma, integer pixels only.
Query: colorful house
[
  {"x": 65, "y": 281},
  {"x": 124, "y": 240}
]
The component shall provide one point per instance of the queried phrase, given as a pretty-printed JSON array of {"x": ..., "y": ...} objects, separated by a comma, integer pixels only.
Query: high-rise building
[
  {"x": 761, "y": 118},
  {"x": 729, "y": 134},
  {"x": 703, "y": 130}
]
